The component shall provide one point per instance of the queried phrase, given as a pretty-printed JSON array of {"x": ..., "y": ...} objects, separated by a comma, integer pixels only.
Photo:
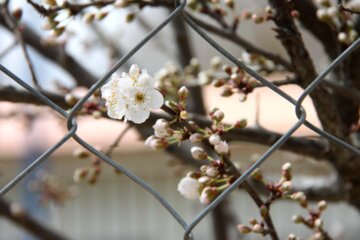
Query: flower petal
[
  {"x": 145, "y": 80},
  {"x": 125, "y": 82},
  {"x": 139, "y": 116},
  {"x": 134, "y": 71},
  {"x": 156, "y": 99},
  {"x": 107, "y": 90}
]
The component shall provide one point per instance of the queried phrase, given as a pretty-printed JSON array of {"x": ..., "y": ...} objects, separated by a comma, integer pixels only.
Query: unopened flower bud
[
  {"x": 318, "y": 223},
  {"x": 198, "y": 153},
  {"x": 57, "y": 32},
  {"x": 322, "y": 14},
  {"x": 184, "y": 115},
  {"x": 222, "y": 148},
  {"x": 80, "y": 153},
  {"x": 215, "y": 62},
  {"x": 183, "y": 93},
  {"x": 96, "y": 114},
  {"x": 240, "y": 124},
  {"x": 218, "y": 82},
  {"x": 212, "y": 172},
  {"x": 342, "y": 37},
  {"x": 300, "y": 197},
  {"x": 196, "y": 137},
  {"x": 16, "y": 210},
  {"x": 17, "y": 13},
  {"x": 51, "y": 2},
  {"x": 253, "y": 221},
  {"x": 121, "y": 3},
  {"x": 226, "y": 92},
  {"x": 257, "y": 19},
  {"x": 264, "y": 211},
  {"x": 243, "y": 229},
  {"x": 257, "y": 228},
  {"x": 286, "y": 171},
  {"x": 257, "y": 175},
  {"x": 318, "y": 236},
  {"x": 70, "y": 99},
  {"x": 218, "y": 116},
  {"x": 158, "y": 144},
  {"x": 291, "y": 237},
  {"x": 204, "y": 78},
  {"x": 230, "y": 3},
  {"x": 297, "y": 219},
  {"x": 204, "y": 179},
  {"x": 214, "y": 139},
  {"x": 322, "y": 205},
  {"x": 161, "y": 128},
  {"x": 286, "y": 186},
  {"x": 208, "y": 194},
  {"x": 130, "y": 17},
  {"x": 79, "y": 174},
  {"x": 149, "y": 140},
  {"x": 100, "y": 15}
]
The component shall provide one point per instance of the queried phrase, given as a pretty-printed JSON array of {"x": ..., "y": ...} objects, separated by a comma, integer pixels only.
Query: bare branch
[
  {"x": 317, "y": 149},
  {"x": 57, "y": 54},
  {"x": 228, "y": 34},
  {"x": 25, "y": 221}
]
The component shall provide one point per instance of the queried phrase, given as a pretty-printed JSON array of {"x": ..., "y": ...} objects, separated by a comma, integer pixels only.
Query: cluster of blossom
[
  {"x": 281, "y": 189},
  {"x": 214, "y": 176},
  {"x": 131, "y": 95},
  {"x": 207, "y": 183},
  {"x": 216, "y": 5},
  {"x": 51, "y": 189},
  {"x": 91, "y": 172},
  {"x": 341, "y": 22},
  {"x": 313, "y": 221}
]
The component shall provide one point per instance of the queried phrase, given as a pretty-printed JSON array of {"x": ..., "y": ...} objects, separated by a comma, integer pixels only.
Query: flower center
[{"x": 139, "y": 97}]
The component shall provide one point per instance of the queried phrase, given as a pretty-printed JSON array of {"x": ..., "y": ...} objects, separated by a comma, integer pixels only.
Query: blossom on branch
[{"x": 131, "y": 95}]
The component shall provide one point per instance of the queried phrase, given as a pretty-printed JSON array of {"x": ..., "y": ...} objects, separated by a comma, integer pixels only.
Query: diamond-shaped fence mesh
[{"x": 179, "y": 12}]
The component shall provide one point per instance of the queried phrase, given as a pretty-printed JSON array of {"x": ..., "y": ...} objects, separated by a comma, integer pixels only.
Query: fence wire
[{"x": 70, "y": 117}]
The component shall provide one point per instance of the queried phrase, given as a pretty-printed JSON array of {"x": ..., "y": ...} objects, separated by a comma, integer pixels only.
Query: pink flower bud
[{"x": 218, "y": 116}]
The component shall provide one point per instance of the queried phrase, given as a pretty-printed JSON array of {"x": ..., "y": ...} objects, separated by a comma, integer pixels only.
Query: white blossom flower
[
  {"x": 189, "y": 188},
  {"x": 131, "y": 96},
  {"x": 222, "y": 148},
  {"x": 161, "y": 128},
  {"x": 214, "y": 139}
]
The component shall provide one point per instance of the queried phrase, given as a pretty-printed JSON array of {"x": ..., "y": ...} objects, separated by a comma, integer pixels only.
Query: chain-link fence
[{"x": 70, "y": 117}]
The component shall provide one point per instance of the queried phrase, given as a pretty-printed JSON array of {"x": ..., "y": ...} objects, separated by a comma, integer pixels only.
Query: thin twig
[
  {"x": 8, "y": 49},
  {"x": 117, "y": 141},
  {"x": 14, "y": 25},
  {"x": 235, "y": 38}
]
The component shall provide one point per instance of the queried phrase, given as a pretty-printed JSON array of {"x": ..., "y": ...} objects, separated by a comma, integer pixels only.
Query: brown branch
[
  {"x": 25, "y": 221},
  {"x": 56, "y": 54},
  {"x": 233, "y": 37},
  {"x": 15, "y": 27},
  {"x": 348, "y": 9},
  {"x": 8, "y": 49},
  {"x": 317, "y": 149}
]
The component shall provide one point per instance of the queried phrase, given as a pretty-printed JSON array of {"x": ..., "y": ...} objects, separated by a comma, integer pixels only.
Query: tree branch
[
  {"x": 57, "y": 54},
  {"x": 228, "y": 34},
  {"x": 25, "y": 221},
  {"x": 317, "y": 149}
]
